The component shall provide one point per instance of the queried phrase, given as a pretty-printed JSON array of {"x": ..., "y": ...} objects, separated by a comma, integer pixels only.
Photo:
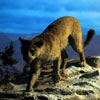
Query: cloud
[
  {"x": 28, "y": 16},
  {"x": 82, "y": 5},
  {"x": 23, "y": 22}
]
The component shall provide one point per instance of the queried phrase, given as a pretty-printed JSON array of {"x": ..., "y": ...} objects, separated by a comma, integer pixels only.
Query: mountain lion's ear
[
  {"x": 39, "y": 43},
  {"x": 23, "y": 41}
]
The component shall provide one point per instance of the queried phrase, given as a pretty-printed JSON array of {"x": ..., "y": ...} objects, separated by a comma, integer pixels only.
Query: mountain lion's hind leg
[
  {"x": 82, "y": 59},
  {"x": 77, "y": 45},
  {"x": 80, "y": 50}
]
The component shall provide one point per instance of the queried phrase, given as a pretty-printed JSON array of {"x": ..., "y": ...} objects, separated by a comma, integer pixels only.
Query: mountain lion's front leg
[
  {"x": 34, "y": 75},
  {"x": 64, "y": 63},
  {"x": 56, "y": 70}
]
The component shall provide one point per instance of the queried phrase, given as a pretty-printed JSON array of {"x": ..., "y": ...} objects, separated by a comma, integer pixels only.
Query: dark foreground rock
[{"x": 82, "y": 83}]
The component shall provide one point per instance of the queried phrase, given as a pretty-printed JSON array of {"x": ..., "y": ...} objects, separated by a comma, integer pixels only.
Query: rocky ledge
[{"x": 82, "y": 83}]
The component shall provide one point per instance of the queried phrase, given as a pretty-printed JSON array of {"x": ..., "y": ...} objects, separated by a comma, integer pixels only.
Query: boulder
[{"x": 82, "y": 83}]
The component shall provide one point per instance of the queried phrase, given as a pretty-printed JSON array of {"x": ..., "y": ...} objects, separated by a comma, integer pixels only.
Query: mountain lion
[{"x": 50, "y": 46}]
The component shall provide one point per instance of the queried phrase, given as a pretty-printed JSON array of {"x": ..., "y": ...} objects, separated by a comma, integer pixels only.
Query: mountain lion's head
[{"x": 30, "y": 49}]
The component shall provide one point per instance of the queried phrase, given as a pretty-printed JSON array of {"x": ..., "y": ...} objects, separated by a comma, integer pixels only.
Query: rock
[
  {"x": 82, "y": 83},
  {"x": 90, "y": 75}
]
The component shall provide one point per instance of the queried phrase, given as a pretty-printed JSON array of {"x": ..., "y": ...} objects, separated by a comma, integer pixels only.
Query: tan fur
[{"x": 51, "y": 46}]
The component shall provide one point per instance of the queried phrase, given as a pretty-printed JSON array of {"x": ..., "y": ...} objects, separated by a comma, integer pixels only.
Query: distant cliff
[{"x": 93, "y": 49}]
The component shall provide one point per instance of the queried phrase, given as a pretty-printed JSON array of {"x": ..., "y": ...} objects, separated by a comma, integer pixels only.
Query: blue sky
[{"x": 33, "y": 16}]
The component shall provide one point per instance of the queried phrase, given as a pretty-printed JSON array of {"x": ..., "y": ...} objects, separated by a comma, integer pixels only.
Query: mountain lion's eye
[{"x": 32, "y": 52}]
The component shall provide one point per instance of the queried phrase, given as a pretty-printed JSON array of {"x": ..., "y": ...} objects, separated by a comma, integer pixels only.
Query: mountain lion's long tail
[{"x": 90, "y": 35}]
